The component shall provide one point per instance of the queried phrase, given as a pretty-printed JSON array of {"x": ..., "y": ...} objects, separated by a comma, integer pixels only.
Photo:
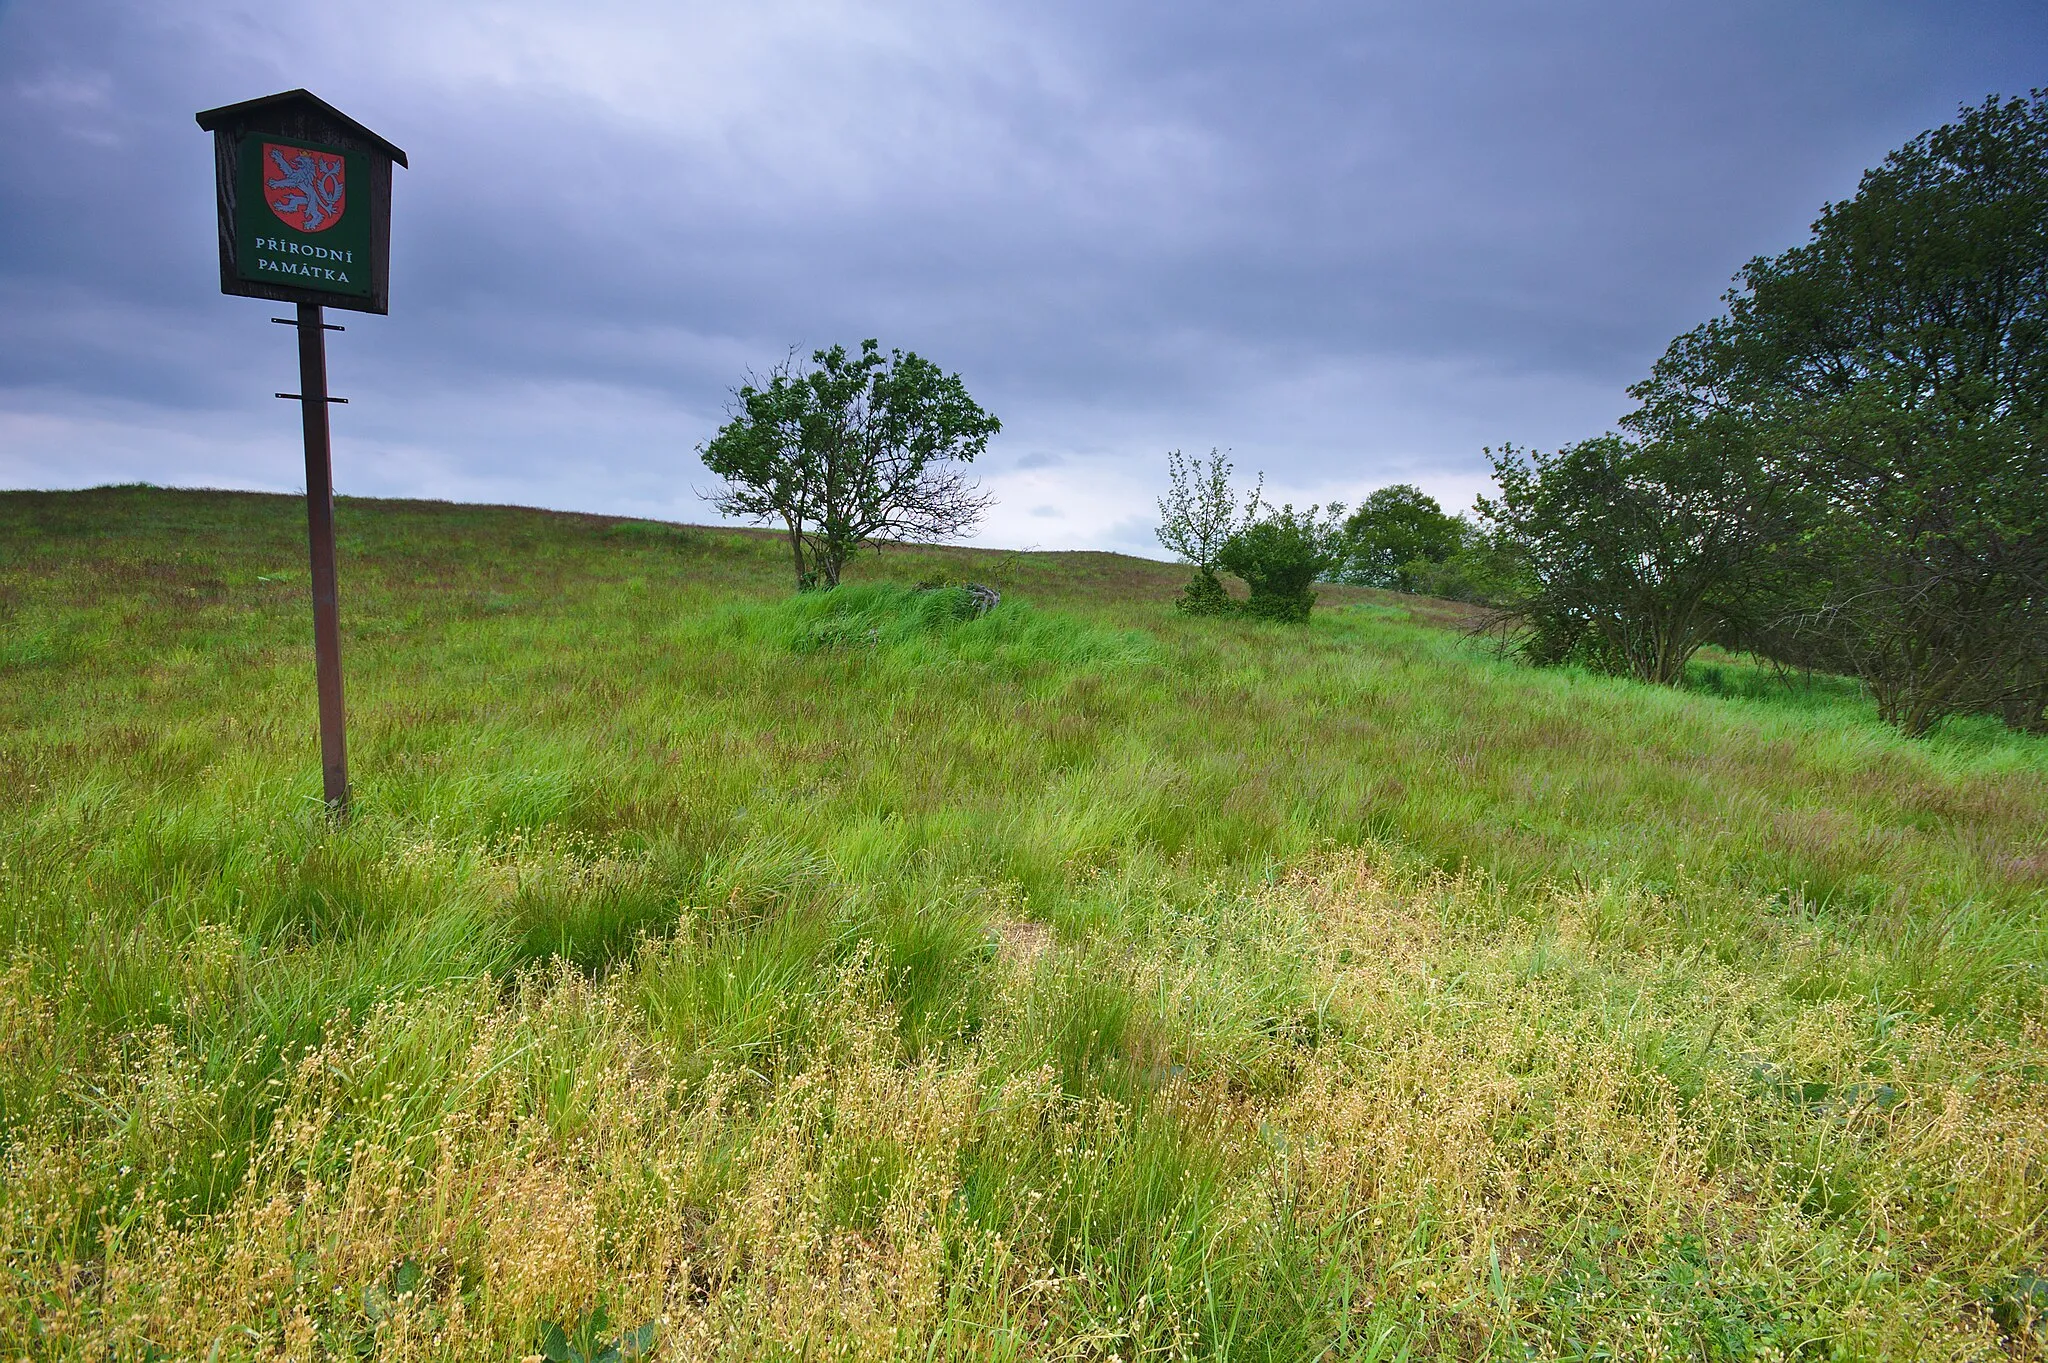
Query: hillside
[{"x": 833, "y": 976}]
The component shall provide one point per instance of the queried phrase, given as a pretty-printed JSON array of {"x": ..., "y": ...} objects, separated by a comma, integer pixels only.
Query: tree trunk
[{"x": 796, "y": 551}]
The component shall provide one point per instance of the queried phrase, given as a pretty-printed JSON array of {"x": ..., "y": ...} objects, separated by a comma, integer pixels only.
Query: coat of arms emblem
[{"x": 306, "y": 189}]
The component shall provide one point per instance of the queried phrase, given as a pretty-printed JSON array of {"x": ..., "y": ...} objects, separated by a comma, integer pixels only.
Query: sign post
[{"x": 304, "y": 194}]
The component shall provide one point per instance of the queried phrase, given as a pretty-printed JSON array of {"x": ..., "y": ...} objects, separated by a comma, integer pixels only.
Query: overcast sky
[{"x": 1352, "y": 243}]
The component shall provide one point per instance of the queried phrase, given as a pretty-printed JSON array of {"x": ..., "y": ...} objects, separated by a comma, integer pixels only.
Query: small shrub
[
  {"x": 1279, "y": 555},
  {"x": 1204, "y": 595}
]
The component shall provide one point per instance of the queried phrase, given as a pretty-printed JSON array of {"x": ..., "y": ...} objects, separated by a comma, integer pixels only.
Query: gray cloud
[{"x": 1353, "y": 244}]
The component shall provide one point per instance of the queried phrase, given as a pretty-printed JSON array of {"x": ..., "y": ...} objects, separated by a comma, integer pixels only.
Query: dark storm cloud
[{"x": 1352, "y": 244}]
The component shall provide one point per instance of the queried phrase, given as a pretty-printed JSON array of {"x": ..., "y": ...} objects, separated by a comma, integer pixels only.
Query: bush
[
  {"x": 1204, "y": 595},
  {"x": 1481, "y": 571},
  {"x": 1279, "y": 555}
]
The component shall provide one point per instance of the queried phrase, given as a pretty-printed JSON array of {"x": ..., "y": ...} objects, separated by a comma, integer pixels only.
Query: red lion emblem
[{"x": 306, "y": 189}]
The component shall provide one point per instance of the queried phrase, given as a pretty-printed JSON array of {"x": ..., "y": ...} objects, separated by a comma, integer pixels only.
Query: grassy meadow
[{"x": 842, "y": 977}]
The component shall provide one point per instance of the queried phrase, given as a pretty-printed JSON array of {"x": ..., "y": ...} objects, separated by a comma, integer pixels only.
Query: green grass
[{"x": 846, "y": 975}]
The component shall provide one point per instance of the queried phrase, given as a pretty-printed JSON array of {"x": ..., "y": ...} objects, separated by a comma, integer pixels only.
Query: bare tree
[{"x": 1197, "y": 517}]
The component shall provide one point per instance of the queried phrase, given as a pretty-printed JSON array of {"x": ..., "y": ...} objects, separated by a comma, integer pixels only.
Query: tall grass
[{"x": 844, "y": 975}]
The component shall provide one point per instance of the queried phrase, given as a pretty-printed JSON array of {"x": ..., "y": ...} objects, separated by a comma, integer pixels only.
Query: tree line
[{"x": 1846, "y": 471}]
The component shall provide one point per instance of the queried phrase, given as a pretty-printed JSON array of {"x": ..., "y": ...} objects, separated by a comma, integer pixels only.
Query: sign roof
[{"x": 301, "y": 101}]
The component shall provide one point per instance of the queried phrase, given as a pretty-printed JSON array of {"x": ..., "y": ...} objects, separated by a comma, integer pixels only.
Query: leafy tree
[
  {"x": 1894, "y": 370},
  {"x": 1394, "y": 535},
  {"x": 851, "y": 450},
  {"x": 1634, "y": 553},
  {"x": 1197, "y": 517},
  {"x": 1280, "y": 554},
  {"x": 1483, "y": 569}
]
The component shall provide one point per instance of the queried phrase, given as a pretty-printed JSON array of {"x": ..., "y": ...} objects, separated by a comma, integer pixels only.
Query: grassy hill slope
[{"x": 838, "y": 975}]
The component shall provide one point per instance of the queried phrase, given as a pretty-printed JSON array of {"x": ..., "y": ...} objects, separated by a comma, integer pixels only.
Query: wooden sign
[
  {"x": 304, "y": 198},
  {"x": 304, "y": 193}
]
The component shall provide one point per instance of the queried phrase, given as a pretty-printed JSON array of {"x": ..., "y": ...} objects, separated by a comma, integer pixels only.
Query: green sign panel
[{"x": 302, "y": 215}]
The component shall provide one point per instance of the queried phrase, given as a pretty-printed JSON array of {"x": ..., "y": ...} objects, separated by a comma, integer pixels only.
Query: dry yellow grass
[{"x": 1484, "y": 1145}]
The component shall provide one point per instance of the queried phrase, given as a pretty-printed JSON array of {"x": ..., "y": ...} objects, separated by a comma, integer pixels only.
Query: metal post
[{"x": 320, "y": 539}]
